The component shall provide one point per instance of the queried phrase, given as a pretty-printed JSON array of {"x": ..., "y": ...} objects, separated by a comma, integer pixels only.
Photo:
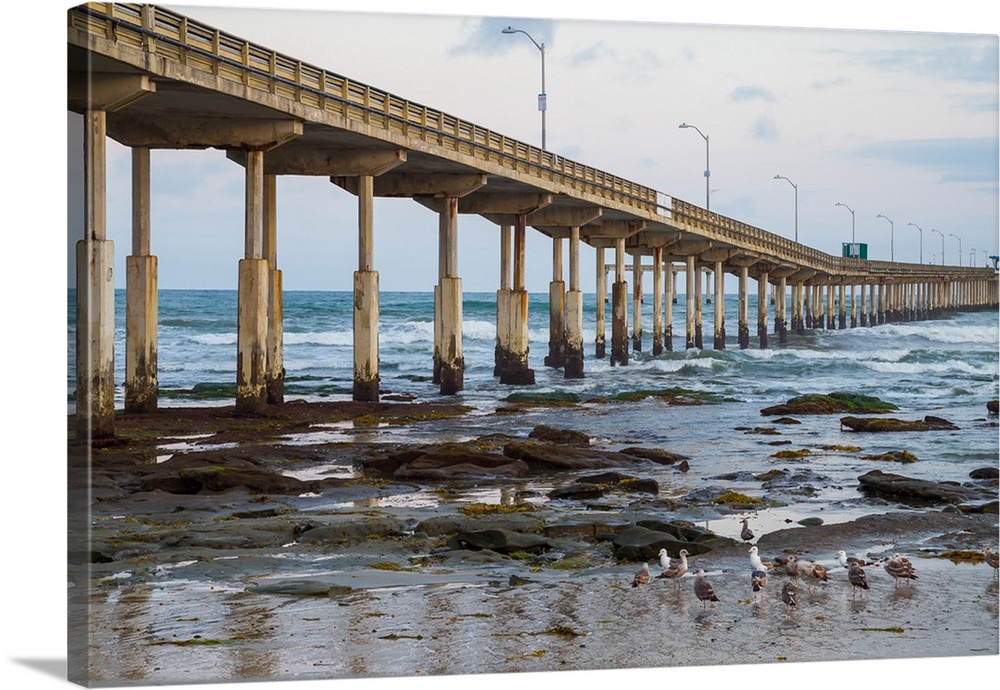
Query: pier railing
[{"x": 159, "y": 31}]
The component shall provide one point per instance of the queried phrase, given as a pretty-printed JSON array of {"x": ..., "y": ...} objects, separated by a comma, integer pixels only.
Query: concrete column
[
  {"x": 501, "y": 352},
  {"x": 141, "y": 299},
  {"x": 881, "y": 303},
  {"x": 854, "y": 306},
  {"x": 450, "y": 297},
  {"x": 657, "y": 300},
  {"x": 669, "y": 299},
  {"x": 809, "y": 304},
  {"x": 743, "y": 322},
  {"x": 762, "y": 309},
  {"x": 95, "y": 294},
  {"x": 780, "y": 311},
  {"x": 797, "y": 306},
  {"x": 862, "y": 306},
  {"x": 275, "y": 316},
  {"x": 692, "y": 292},
  {"x": 831, "y": 322},
  {"x": 600, "y": 349},
  {"x": 573, "y": 368},
  {"x": 637, "y": 302},
  {"x": 366, "y": 376},
  {"x": 872, "y": 306},
  {"x": 557, "y": 308},
  {"x": 516, "y": 371},
  {"x": 720, "y": 307},
  {"x": 708, "y": 287},
  {"x": 251, "y": 337},
  {"x": 697, "y": 310},
  {"x": 619, "y": 308},
  {"x": 819, "y": 310},
  {"x": 842, "y": 306}
]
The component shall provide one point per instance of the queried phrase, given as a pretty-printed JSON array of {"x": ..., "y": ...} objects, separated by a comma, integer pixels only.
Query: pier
[{"x": 150, "y": 78}]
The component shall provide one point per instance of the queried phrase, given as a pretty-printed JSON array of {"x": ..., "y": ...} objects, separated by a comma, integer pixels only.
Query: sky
[{"x": 901, "y": 124}]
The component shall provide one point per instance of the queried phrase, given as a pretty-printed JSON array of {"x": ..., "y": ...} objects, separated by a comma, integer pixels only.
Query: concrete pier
[
  {"x": 557, "y": 310},
  {"x": 275, "y": 318},
  {"x": 573, "y": 366},
  {"x": 669, "y": 299},
  {"x": 619, "y": 308},
  {"x": 831, "y": 318},
  {"x": 600, "y": 344},
  {"x": 720, "y": 308},
  {"x": 366, "y": 307},
  {"x": 762, "y": 303},
  {"x": 449, "y": 298},
  {"x": 251, "y": 336},
  {"x": 657, "y": 300},
  {"x": 691, "y": 298},
  {"x": 141, "y": 303},
  {"x": 781, "y": 310},
  {"x": 637, "y": 302},
  {"x": 698, "y": 343},
  {"x": 743, "y": 320}
]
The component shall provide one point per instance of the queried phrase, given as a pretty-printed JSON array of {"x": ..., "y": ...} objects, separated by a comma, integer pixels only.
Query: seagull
[
  {"x": 857, "y": 578},
  {"x": 641, "y": 577},
  {"x": 755, "y": 561},
  {"x": 900, "y": 568},
  {"x": 992, "y": 559},
  {"x": 758, "y": 581},
  {"x": 792, "y": 566},
  {"x": 664, "y": 559},
  {"x": 815, "y": 571},
  {"x": 676, "y": 570},
  {"x": 745, "y": 533},
  {"x": 846, "y": 560},
  {"x": 703, "y": 590},
  {"x": 790, "y": 594}
]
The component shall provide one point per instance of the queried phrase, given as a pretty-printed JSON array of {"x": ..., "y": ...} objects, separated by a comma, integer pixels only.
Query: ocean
[{"x": 946, "y": 367}]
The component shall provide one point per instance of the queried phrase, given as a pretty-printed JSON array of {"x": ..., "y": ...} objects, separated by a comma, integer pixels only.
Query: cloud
[
  {"x": 750, "y": 93},
  {"x": 948, "y": 57},
  {"x": 486, "y": 37},
  {"x": 597, "y": 51},
  {"x": 765, "y": 129},
  {"x": 955, "y": 159},
  {"x": 829, "y": 83}
]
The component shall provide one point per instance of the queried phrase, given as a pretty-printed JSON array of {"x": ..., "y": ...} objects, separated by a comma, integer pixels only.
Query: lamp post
[
  {"x": 796, "y": 187},
  {"x": 852, "y": 222},
  {"x": 942, "y": 243},
  {"x": 708, "y": 174},
  {"x": 972, "y": 257},
  {"x": 892, "y": 254},
  {"x": 921, "y": 240},
  {"x": 951, "y": 234},
  {"x": 542, "y": 97}
]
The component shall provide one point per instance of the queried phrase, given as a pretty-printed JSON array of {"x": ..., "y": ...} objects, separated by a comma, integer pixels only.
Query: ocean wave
[
  {"x": 214, "y": 338},
  {"x": 940, "y": 332}
]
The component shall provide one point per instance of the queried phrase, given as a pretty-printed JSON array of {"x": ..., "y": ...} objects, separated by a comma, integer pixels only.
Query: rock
[
  {"x": 504, "y": 541},
  {"x": 623, "y": 482},
  {"x": 350, "y": 530},
  {"x": 831, "y": 403},
  {"x": 907, "y": 488},
  {"x": 565, "y": 436},
  {"x": 657, "y": 455},
  {"x": 810, "y": 522},
  {"x": 517, "y": 376},
  {"x": 993, "y": 406},
  {"x": 644, "y": 540},
  {"x": 882, "y": 424},
  {"x": 445, "y": 462},
  {"x": 217, "y": 479},
  {"x": 990, "y": 507},
  {"x": 439, "y": 525},
  {"x": 312, "y": 587},
  {"x": 785, "y": 420},
  {"x": 985, "y": 473},
  {"x": 550, "y": 456},
  {"x": 903, "y": 456},
  {"x": 578, "y": 491}
]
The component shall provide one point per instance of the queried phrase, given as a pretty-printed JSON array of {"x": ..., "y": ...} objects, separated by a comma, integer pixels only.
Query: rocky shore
[{"x": 270, "y": 516}]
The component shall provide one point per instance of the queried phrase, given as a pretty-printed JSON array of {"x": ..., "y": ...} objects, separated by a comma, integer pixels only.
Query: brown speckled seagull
[
  {"x": 746, "y": 534},
  {"x": 758, "y": 581},
  {"x": 993, "y": 559},
  {"x": 641, "y": 577},
  {"x": 790, "y": 594},
  {"x": 703, "y": 590},
  {"x": 676, "y": 570},
  {"x": 856, "y": 576},
  {"x": 900, "y": 569},
  {"x": 792, "y": 566}
]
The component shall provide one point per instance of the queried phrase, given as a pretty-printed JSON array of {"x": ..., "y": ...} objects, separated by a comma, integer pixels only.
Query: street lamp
[
  {"x": 892, "y": 256},
  {"x": 972, "y": 257},
  {"x": 852, "y": 220},
  {"x": 942, "y": 243},
  {"x": 708, "y": 174},
  {"x": 542, "y": 97},
  {"x": 796, "y": 187},
  {"x": 921, "y": 240},
  {"x": 951, "y": 234}
]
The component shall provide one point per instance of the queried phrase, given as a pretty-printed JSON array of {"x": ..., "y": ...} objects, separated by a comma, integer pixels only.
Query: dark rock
[
  {"x": 763, "y": 431},
  {"x": 907, "y": 488},
  {"x": 785, "y": 420},
  {"x": 657, "y": 455},
  {"x": 517, "y": 376},
  {"x": 578, "y": 491},
  {"x": 504, "y": 541},
  {"x": 622, "y": 482},
  {"x": 640, "y": 542},
  {"x": 811, "y": 522},
  {"x": 985, "y": 473},
  {"x": 217, "y": 479},
  {"x": 831, "y": 403},
  {"x": 903, "y": 456},
  {"x": 350, "y": 530},
  {"x": 551, "y": 456},
  {"x": 993, "y": 406},
  {"x": 440, "y": 525},
  {"x": 565, "y": 436},
  {"x": 445, "y": 462},
  {"x": 883, "y": 424},
  {"x": 684, "y": 466},
  {"x": 990, "y": 507}
]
